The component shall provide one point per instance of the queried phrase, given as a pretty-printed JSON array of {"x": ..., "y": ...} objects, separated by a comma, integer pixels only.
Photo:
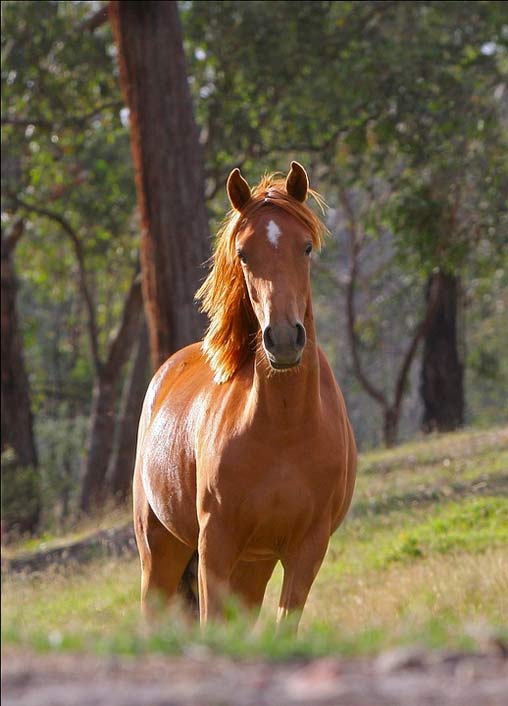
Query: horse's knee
[
  {"x": 300, "y": 570},
  {"x": 249, "y": 580},
  {"x": 217, "y": 558}
]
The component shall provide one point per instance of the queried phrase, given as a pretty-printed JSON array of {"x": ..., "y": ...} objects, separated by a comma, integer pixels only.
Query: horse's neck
[{"x": 290, "y": 395}]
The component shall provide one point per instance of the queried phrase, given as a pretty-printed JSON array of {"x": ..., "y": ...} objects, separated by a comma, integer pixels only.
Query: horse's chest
[
  {"x": 270, "y": 498},
  {"x": 271, "y": 511}
]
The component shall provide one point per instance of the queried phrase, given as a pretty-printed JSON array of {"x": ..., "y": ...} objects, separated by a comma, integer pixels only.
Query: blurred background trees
[{"x": 399, "y": 110}]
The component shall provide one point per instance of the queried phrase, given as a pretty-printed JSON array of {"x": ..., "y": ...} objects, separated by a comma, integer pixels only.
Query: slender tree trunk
[
  {"x": 391, "y": 408},
  {"x": 442, "y": 380},
  {"x": 102, "y": 417},
  {"x": 107, "y": 373},
  {"x": 20, "y": 486},
  {"x": 121, "y": 465},
  {"x": 168, "y": 167},
  {"x": 100, "y": 441},
  {"x": 391, "y": 418}
]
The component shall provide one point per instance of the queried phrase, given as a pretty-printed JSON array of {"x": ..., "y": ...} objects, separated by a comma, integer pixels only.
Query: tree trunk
[
  {"x": 102, "y": 417},
  {"x": 121, "y": 466},
  {"x": 100, "y": 441},
  {"x": 442, "y": 380},
  {"x": 20, "y": 486},
  {"x": 168, "y": 168},
  {"x": 391, "y": 417}
]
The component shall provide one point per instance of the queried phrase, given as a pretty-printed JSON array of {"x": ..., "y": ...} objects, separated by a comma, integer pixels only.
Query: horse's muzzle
[{"x": 284, "y": 345}]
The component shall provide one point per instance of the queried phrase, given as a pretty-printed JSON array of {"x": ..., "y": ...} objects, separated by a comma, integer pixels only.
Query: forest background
[{"x": 397, "y": 110}]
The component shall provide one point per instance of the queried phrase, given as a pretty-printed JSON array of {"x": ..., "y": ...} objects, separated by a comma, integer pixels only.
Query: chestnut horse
[{"x": 245, "y": 451}]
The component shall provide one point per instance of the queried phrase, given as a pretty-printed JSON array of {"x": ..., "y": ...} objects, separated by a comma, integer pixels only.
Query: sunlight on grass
[{"x": 461, "y": 589}]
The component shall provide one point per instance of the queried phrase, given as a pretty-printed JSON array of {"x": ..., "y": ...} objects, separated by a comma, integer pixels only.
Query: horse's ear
[
  {"x": 238, "y": 190},
  {"x": 297, "y": 182}
]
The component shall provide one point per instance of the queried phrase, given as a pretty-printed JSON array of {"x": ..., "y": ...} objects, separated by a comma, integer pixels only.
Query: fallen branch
[{"x": 106, "y": 543}]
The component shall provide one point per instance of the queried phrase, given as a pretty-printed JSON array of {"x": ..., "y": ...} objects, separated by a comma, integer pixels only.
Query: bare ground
[{"x": 401, "y": 678}]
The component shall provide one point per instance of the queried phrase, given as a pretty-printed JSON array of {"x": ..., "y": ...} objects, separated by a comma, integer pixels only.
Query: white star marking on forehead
[{"x": 273, "y": 233}]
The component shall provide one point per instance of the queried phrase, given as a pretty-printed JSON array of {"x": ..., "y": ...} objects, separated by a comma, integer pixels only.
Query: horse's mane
[{"x": 230, "y": 337}]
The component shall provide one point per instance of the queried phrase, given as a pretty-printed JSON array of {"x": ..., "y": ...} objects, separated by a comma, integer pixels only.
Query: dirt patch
[{"x": 399, "y": 678}]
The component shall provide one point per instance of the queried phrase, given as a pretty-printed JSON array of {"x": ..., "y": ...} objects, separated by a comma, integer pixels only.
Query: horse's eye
[
  {"x": 241, "y": 256},
  {"x": 308, "y": 249}
]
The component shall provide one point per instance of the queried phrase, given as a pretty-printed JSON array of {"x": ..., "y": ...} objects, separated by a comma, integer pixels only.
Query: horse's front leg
[
  {"x": 164, "y": 558},
  {"x": 218, "y": 555},
  {"x": 301, "y": 564}
]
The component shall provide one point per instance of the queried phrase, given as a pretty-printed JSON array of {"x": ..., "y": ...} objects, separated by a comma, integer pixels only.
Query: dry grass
[{"x": 459, "y": 588}]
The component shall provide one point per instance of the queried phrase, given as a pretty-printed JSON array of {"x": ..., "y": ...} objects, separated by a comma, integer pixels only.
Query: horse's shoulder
[{"x": 179, "y": 367}]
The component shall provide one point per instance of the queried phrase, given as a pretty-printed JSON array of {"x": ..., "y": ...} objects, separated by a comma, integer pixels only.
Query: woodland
[{"x": 120, "y": 125}]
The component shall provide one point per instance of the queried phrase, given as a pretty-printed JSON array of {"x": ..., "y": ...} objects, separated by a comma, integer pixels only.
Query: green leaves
[{"x": 66, "y": 150}]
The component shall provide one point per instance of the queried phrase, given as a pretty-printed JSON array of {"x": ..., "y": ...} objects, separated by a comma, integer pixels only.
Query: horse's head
[
  {"x": 274, "y": 247},
  {"x": 258, "y": 288}
]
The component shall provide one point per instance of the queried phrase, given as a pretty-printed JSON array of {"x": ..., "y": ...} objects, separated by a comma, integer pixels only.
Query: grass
[{"x": 422, "y": 558}]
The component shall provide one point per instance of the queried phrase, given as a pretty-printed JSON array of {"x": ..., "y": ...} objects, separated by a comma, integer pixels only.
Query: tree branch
[
  {"x": 70, "y": 121},
  {"x": 96, "y": 20},
  {"x": 83, "y": 283},
  {"x": 336, "y": 280},
  {"x": 421, "y": 329},
  {"x": 11, "y": 240},
  {"x": 121, "y": 343},
  {"x": 219, "y": 179},
  {"x": 25, "y": 122},
  {"x": 354, "y": 250}
]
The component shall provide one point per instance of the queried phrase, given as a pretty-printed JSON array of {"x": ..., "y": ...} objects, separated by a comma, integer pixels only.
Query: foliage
[
  {"x": 61, "y": 447},
  {"x": 402, "y": 103},
  {"x": 414, "y": 93},
  {"x": 65, "y": 149},
  {"x": 19, "y": 492}
]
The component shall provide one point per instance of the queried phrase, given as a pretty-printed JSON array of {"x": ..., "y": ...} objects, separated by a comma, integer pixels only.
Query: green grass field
[{"x": 422, "y": 559}]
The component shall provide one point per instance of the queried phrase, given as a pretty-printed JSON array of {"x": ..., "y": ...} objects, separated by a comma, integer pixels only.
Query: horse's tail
[{"x": 188, "y": 587}]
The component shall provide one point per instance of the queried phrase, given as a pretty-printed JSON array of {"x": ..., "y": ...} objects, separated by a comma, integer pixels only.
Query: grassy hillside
[{"x": 422, "y": 558}]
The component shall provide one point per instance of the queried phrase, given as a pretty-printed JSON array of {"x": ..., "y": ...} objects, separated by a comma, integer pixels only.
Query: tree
[
  {"x": 121, "y": 464},
  {"x": 450, "y": 136},
  {"x": 20, "y": 487},
  {"x": 103, "y": 413},
  {"x": 107, "y": 371},
  {"x": 69, "y": 173},
  {"x": 442, "y": 371},
  {"x": 410, "y": 92},
  {"x": 391, "y": 404},
  {"x": 169, "y": 173}
]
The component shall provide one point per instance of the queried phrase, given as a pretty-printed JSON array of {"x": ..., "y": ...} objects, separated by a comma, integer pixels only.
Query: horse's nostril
[
  {"x": 300, "y": 336},
  {"x": 267, "y": 338}
]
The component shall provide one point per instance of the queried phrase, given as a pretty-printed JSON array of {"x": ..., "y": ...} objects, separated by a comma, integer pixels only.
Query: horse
[{"x": 246, "y": 456}]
